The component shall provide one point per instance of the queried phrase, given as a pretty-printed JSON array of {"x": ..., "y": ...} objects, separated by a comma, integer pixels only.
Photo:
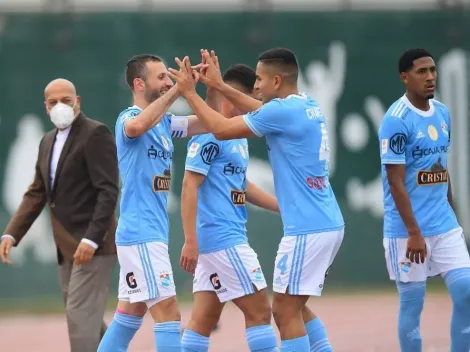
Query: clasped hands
[{"x": 207, "y": 72}]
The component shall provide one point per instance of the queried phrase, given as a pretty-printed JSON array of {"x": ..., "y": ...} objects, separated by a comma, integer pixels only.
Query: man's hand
[
  {"x": 5, "y": 248},
  {"x": 189, "y": 256},
  {"x": 416, "y": 250},
  {"x": 83, "y": 254},
  {"x": 185, "y": 78},
  {"x": 210, "y": 70}
]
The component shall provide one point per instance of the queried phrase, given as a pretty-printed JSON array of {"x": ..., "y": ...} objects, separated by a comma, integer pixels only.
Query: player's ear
[
  {"x": 404, "y": 77},
  {"x": 139, "y": 84},
  {"x": 277, "y": 80}
]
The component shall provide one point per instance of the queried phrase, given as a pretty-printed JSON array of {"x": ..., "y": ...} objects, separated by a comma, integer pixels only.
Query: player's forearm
[
  {"x": 449, "y": 194},
  {"x": 403, "y": 204},
  {"x": 260, "y": 198},
  {"x": 189, "y": 213},
  {"x": 214, "y": 121},
  {"x": 240, "y": 100},
  {"x": 213, "y": 98},
  {"x": 152, "y": 114}
]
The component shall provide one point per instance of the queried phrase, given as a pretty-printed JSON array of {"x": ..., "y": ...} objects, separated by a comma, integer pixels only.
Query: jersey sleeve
[
  {"x": 268, "y": 119},
  {"x": 202, "y": 151},
  {"x": 121, "y": 123},
  {"x": 179, "y": 126},
  {"x": 393, "y": 136}
]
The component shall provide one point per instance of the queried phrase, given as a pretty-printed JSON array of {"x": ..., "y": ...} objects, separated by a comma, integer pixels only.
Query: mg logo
[
  {"x": 209, "y": 152},
  {"x": 397, "y": 143}
]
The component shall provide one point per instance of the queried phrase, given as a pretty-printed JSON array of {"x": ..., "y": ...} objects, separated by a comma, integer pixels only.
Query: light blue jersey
[
  {"x": 297, "y": 139},
  {"x": 420, "y": 140},
  {"x": 145, "y": 170},
  {"x": 221, "y": 213}
]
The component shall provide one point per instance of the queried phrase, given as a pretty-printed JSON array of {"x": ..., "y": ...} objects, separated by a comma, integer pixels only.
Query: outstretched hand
[
  {"x": 209, "y": 69},
  {"x": 186, "y": 78}
]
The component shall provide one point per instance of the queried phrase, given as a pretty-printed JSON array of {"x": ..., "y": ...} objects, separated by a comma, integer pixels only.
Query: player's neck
[
  {"x": 284, "y": 93},
  {"x": 418, "y": 102},
  {"x": 141, "y": 102}
]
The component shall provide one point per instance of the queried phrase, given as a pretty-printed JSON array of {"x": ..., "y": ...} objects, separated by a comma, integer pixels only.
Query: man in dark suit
[{"x": 77, "y": 176}]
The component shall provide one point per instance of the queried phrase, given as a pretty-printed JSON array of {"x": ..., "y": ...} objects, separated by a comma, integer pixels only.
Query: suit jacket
[{"x": 83, "y": 199}]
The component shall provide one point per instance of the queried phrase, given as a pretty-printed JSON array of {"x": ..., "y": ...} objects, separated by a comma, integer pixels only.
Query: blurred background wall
[{"x": 348, "y": 52}]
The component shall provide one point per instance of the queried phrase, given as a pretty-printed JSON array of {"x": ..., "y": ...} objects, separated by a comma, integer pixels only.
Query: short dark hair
[
  {"x": 241, "y": 74},
  {"x": 285, "y": 59},
  {"x": 408, "y": 57},
  {"x": 135, "y": 67}
]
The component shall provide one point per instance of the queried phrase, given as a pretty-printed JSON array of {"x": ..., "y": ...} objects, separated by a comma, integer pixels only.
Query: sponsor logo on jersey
[
  {"x": 230, "y": 169},
  {"x": 437, "y": 175},
  {"x": 238, "y": 197},
  {"x": 162, "y": 183},
  {"x": 419, "y": 153}
]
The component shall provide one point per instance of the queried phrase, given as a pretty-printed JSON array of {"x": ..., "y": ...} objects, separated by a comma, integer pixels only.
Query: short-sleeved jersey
[
  {"x": 297, "y": 139},
  {"x": 221, "y": 213},
  {"x": 145, "y": 171},
  {"x": 420, "y": 140}
]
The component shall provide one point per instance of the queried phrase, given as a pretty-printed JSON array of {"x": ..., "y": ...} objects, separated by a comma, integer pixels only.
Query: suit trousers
[{"x": 85, "y": 290}]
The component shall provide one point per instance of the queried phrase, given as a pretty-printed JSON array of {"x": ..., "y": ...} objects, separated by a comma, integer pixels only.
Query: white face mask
[{"x": 62, "y": 115}]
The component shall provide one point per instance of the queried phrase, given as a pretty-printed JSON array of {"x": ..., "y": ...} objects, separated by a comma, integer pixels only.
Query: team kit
[{"x": 421, "y": 236}]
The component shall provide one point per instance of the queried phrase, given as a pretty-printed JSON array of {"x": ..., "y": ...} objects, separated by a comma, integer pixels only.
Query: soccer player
[
  {"x": 297, "y": 139},
  {"x": 214, "y": 217},
  {"x": 145, "y": 152},
  {"x": 422, "y": 237}
]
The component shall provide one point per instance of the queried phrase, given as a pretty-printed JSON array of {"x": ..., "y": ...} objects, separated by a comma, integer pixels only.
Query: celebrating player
[
  {"x": 214, "y": 191},
  {"x": 145, "y": 153},
  {"x": 297, "y": 139},
  {"x": 422, "y": 235}
]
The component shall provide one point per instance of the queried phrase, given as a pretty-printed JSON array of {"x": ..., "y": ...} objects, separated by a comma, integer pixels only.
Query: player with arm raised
[
  {"x": 297, "y": 138},
  {"x": 214, "y": 216},
  {"x": 422, "y": 237},
  {"x": 145, "y": 153}
]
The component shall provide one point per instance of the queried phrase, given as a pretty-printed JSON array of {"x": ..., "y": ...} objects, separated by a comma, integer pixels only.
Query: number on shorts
[{"x": 282, "y": 264}]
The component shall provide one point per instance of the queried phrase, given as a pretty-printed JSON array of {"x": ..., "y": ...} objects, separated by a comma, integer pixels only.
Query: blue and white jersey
[
  {"x": 145, "y": 171},
  {"x": 297, "y": 139},
  {"x": 221, "y": 209},
  {"x": 420, "y": 140}
]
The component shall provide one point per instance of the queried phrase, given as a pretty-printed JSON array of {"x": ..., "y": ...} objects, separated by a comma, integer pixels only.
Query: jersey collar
[
  {"x": 299, "y": 96},
  {"x": 135, "y": 107},
  {"x": 423, "y": 113}
]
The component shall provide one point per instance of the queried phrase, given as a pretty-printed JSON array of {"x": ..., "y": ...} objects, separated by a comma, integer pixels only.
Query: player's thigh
[
  {"x": 146, "y": 273},
  {"x": 255, "y": 307},
  {"x": 399, "y": 267},
  {"x": 136, "y": 309},
  {"x": 233, "y": 272},
  {"x": 302, "y": 262},
  {"x": 205, "y": 313},
  {"x": 449, "y": 252}
]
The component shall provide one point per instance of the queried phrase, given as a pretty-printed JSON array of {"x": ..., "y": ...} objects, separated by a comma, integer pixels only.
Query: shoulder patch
[
  {"x": 397, "y": 143},
  {"x": 209, "y": 152},
  {"x": 193, "y": 149},
  {"x": 129, "y": 115}
]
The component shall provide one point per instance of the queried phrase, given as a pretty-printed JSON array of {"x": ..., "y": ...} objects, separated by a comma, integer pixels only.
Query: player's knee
[
  {"x": 458, "y": 282},
  {"x": 463, "y": 298},
  {"x": 166, "y": 310},
  {"x": 203, "y": 324},
  {"x": 282, "y": 314},
  {"x": 412, "y": 297},
  {"x": 287, "y": 308},
  {"x": 259, "y": 314}
]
